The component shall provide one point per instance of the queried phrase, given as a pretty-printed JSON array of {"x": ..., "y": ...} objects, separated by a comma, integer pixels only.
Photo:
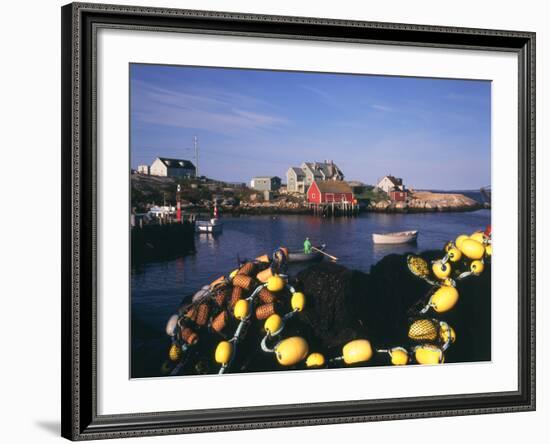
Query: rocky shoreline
[
  {"x": 420, "y": 202},
  {"x": 426, "y": 202}
]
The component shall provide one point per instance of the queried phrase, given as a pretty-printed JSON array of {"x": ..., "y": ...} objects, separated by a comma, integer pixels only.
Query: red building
[
  {"x": 398, "y": 195},
  {"x": 328, "y": 191}
]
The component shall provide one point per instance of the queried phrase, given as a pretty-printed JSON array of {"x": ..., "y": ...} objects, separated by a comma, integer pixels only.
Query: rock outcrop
[{"x": 426, "y": 201}]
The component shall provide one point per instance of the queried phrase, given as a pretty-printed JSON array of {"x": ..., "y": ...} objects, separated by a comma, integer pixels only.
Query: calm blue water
[{"x": 158, "y": 288}]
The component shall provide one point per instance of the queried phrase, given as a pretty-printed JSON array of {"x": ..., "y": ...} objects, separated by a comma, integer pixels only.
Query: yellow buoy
[
  {"x": 444, "y": 299},
  {"x": 292, "y": 350},
  {"x": 441, "y": 270},
  {"x": 477, "y": 267},
  {"x": 298, "y": 301},
  {"x": 446, "y": 333},
  {"x": 273, "y": 324},
  {"x": 399, "y": 356},
  {"x": 478, "y": 236},
  {"x": 223, "y": 352},
  {"x": 423, "y": 330},
  {"x": 472, "y": 249},
  {"x": 428, "y": 354},
  {"x": 315, "y": 360},
  {"x": 489, "y": 249},
  {"x": 241, "y": 309},
  {"x": 174, "y": 353},
  {"x": 448, "y": 246},
  {"x": 233, "y": 273},
  {"x": 459, "y": 239},
  {"x": 275, "y": 283},
  {"x": 359, "y": 350},
  {"x": 454, "y": 254}
]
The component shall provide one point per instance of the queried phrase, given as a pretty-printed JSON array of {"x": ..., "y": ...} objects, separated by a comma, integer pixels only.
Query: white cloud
[{"x": 204, "y": 109}]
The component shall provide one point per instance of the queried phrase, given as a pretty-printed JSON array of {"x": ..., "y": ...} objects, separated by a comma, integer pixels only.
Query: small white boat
[
  {"x": 213, "y": 226},
  {"x": 401, "y": 237}
]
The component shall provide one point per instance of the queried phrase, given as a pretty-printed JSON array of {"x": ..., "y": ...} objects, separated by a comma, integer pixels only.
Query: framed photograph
[{"x": 278, "y": 221}]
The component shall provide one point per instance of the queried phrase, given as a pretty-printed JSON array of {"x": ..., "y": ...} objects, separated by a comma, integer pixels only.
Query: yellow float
[
  {"x": 460, "y": 239},
  {"x": 472, "y": 249},
  {"x": 441, "y": 270},
  {"x": 399, "y": 356},
  {"x": 273, "y": 324},
  {"x": 241, "y": 309},
  {"x": 315, "y": 360},
  {"x": 275, "y": 283},
  {"x": 223, "y": 353},
  {"x": 292, "y": 350},
  {"x": 356, "y": 351},
  {"x": 446, "y": 333},
  {"x": 478, "y": 236},
  {"x": 428, "y": 354},
  {"x": 174, "y": 353},
  {"x": 489, "y": 250},
  {"x": 477, "y": 267},
  {"x": 454, "y": 254},
  {"x": 444, "y": 299},
  {"x": 298, "y": 301}
]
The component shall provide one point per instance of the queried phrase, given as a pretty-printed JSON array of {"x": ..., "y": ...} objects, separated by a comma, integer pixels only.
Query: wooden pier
[{"x": 342, "y": 208}]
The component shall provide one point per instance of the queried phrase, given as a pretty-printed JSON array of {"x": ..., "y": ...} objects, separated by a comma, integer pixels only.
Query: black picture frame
[{"x": 80, "y": 22}]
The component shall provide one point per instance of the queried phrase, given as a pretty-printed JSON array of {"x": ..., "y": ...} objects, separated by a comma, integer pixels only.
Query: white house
[
  {"x": 299, "y": 179},
  {"x": 172, "y": 167},
  {"x": 390, "y": 183}
]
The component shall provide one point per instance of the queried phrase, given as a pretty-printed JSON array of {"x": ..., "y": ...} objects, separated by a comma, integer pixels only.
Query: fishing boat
[
  {"x": 213, "y": 226},
  {"x": 296, "y": 256},
  {"x": 401, "y": 237}
]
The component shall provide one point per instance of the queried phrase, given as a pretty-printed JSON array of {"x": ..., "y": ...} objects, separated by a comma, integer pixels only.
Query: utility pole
[{"x": 196, "y": 156}]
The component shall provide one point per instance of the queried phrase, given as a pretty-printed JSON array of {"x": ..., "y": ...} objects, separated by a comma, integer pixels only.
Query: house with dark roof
[
  {"x": 299, "y": 179},
  {"x": 390, "y": 183},
  {"x": 328, "y": 191},
  {"x": 163, "y": 166}
]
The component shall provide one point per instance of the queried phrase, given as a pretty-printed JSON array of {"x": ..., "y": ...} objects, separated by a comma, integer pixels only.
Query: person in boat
[{"x": 307, "y": 246}]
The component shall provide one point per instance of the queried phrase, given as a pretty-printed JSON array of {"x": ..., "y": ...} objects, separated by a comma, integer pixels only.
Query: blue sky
[{"x": 435, "y": 133}]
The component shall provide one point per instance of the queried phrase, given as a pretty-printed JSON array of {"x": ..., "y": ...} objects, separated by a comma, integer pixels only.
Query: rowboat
[
  {"x": 296, "y": 256},
  {"x": 401, "y": 237}
]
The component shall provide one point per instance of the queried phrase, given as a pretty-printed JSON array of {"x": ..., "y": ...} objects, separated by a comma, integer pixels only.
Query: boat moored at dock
[{"x": 213, "y": 226}]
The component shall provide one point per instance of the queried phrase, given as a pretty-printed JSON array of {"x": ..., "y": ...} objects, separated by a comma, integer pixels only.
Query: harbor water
[{"x": 158, "y": 288}]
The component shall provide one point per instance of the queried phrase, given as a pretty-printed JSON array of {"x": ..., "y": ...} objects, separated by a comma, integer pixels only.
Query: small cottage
[
  {"x": 163, "y": 166},
  {"x": 390, "y": 183}
]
